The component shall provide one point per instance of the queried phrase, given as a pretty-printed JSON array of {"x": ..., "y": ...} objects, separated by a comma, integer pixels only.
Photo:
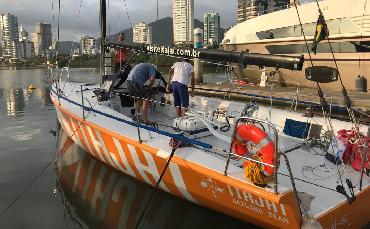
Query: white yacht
[{"x": 280, "y": 33}]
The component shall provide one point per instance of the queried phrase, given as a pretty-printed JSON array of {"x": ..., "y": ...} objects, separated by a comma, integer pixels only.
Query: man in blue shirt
[{"x": 136, "y": 80}]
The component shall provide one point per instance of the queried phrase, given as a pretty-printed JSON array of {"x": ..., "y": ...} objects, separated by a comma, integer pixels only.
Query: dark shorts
[
  {"x": 180, "y": 94},
  {"x": 136, "y": 90}
]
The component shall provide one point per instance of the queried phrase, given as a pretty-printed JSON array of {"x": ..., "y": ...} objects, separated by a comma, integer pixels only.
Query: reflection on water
[
  {"x": 14, "y": 101},
  {"x": 91, "y": 194},
  {"x": 15, "y": 93},
  {"x": 105, "y": 198}
]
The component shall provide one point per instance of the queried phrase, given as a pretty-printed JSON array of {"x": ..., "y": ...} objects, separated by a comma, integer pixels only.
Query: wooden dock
[{"x": 285, "y": 96}]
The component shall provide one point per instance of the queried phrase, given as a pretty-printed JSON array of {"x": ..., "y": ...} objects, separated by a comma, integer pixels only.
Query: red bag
[
  {"x": 358, "y": 151},
  {"x": 344, "y": 136}
]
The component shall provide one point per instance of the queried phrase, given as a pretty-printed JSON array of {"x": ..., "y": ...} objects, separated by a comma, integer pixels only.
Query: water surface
[{"x": 29, "y": 142}]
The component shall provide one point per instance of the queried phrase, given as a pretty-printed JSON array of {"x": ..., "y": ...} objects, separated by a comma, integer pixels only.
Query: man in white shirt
[{"x": 179, "y": 76}]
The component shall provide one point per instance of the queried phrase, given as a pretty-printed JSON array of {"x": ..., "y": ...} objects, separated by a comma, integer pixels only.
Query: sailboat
[{"x": 262, "y": 165}]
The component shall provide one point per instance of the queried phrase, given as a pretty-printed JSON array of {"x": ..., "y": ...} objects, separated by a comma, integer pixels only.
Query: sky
[{"x": 76, "y": 21}]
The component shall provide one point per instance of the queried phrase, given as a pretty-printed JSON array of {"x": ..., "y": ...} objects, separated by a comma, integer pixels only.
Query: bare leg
[
  {"x": 138, "y": 104},
  {"x": 183, "y": 110},
  {"x": 145, "y": 110},
  {"x": 178, "y": 111}
]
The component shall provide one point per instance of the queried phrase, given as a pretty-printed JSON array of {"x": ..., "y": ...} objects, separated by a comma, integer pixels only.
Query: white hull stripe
[
  {"x": 128, "y": 168},
  {"x": 75, "y": 182},
  {"x": 151, "y": 168},
  {"x": 179, "y": 182},
  {"x": 105, "y": 151},
  {"x": 85, "y": 138},
  {"x": 113, "y": 159},
  {"x": 89, "y": 176},
  {"x": 69, "y": 131},
  {"x": 75, "y": 131},
  {"x": 95, "y": 143}
]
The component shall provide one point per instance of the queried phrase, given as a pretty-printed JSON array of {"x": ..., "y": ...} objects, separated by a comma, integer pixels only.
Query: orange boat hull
[{"x": 201, "y": 185}]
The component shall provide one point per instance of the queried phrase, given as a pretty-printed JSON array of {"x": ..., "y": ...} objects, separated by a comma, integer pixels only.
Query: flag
[{"x": 321, "y": 32}]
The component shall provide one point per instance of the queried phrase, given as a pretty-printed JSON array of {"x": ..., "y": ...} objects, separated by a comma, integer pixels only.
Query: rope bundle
[{"x": 254, "y": 172}]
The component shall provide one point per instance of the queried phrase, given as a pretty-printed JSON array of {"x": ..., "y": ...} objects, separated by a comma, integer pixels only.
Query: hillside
[
  {"x": 65, "y": 47},
  {"x": 162, "y": 31}
]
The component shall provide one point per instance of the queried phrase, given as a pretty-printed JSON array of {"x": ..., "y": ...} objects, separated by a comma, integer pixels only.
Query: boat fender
[{"x": 250, "y": 139}]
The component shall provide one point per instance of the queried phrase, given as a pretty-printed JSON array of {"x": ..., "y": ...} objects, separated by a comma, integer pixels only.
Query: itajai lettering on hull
[{"x": 258, "y": 204}]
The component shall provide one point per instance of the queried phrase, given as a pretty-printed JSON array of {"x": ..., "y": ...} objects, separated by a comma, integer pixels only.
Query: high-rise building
[
  {"x": 26, "y": 47},
  {"x": 248, "y": 9},
  {"x": 42, "y": 38},
  {"x": 183, "y": 21},
  {"x": 275, "y": 5},
  {"x": 241, "y": 12},
  {"x": 9, "y": 35},
  {"x": 142, "y": 33},
  {"x": 23, "y": 34},
  {"x": 87, "y": 45},
  {"x": 211, "y": 29}
]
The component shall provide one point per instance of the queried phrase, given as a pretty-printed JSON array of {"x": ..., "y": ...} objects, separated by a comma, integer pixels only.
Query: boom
[{"x": 241, "y": 58}]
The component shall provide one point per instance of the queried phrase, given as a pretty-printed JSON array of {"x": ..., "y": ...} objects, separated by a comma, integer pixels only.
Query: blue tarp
[{"x": 296, "y": 128}]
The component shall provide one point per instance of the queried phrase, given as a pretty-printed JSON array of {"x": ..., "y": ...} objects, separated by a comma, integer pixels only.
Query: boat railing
[
  {"x": 297, "y": 91},
  {"x": 277, "y": 154},
  {"x": 272, "y": 127}
]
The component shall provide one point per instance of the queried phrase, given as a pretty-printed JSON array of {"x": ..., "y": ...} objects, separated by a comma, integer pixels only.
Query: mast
[{"x": 103, "y": 37}]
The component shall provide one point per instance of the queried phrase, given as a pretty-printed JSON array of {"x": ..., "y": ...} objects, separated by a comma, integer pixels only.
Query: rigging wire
[
  {"x": 119, "y": 20},
  {"x": 67, "y": 205},
  {"x": 58, "y": 20},
  {"x": 53, "y": 17},
  {"x": 108, "y": 18},
  {"x": 124, "y": 5},
  {"x": 348, "y": 102},
  {"x": 362, "y": 29},
  {"x": 323, "y": 102},
  {"x": 76, "y": 26}
]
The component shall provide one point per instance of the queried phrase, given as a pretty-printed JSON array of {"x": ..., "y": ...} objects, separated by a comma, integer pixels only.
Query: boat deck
[{"x": 316, "y": 177}]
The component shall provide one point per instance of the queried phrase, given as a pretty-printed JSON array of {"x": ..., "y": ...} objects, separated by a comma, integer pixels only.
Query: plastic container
[{"x": 361, "y": 84}]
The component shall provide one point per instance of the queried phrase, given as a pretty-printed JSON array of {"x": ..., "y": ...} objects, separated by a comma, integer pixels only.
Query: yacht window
[
  {"x": 336, "y": 26},
  {"x": 338, "y": 47}
]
